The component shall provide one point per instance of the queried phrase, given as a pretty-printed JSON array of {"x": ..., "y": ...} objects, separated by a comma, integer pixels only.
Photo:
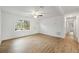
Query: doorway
[{"x": 71, "y": 26}]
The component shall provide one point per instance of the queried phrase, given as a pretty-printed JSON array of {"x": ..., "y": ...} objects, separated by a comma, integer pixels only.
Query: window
[{"x": 22, "y": 25}]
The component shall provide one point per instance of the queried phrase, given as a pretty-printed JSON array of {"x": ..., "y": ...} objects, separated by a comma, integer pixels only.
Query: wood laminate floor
[{"x": 40, "y": 43}]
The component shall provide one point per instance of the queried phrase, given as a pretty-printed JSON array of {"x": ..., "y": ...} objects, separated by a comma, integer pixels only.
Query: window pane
[{"x": 22, "y": 25}]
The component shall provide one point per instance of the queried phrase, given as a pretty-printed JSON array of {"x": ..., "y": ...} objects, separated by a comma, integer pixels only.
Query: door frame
[{"x": 72, "y": 18}]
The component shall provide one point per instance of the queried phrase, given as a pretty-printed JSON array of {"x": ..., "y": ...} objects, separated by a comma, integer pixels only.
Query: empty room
[{"x": 39, "y": 29}]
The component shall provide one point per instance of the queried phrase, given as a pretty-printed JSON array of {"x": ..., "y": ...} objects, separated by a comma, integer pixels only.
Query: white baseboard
[
  {"x": 8, "y": 38},
  {"x": 54, "y": 35},
  {"x": 29, "y": 35}
]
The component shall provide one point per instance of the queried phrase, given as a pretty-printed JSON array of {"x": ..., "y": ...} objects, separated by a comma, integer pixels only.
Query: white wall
[
  {"x": 53, "y": 26},
  {"x": 0, "y": 25},
  {"x": 77, "y": 27},
  {"x": 50, "y": 26},
  {"x": 8, "y": 25}
]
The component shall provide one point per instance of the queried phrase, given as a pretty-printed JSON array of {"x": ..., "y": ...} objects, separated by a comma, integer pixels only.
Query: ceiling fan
[{"x": 38, "y": 12}]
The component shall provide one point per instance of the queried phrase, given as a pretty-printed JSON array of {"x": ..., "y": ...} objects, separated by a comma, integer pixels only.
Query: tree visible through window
[{"x": 22, "y": 25}]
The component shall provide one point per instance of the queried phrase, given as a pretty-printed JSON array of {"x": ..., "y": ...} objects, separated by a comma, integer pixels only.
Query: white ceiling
[
  {"x": 70, "y": 9},
  {"x": 51, "y": 11}
]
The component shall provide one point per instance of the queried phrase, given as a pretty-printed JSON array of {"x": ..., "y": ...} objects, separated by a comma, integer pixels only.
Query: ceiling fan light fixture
[
  {"x": 35, "y": 16},
  {"x": 37, "y": 13}
]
